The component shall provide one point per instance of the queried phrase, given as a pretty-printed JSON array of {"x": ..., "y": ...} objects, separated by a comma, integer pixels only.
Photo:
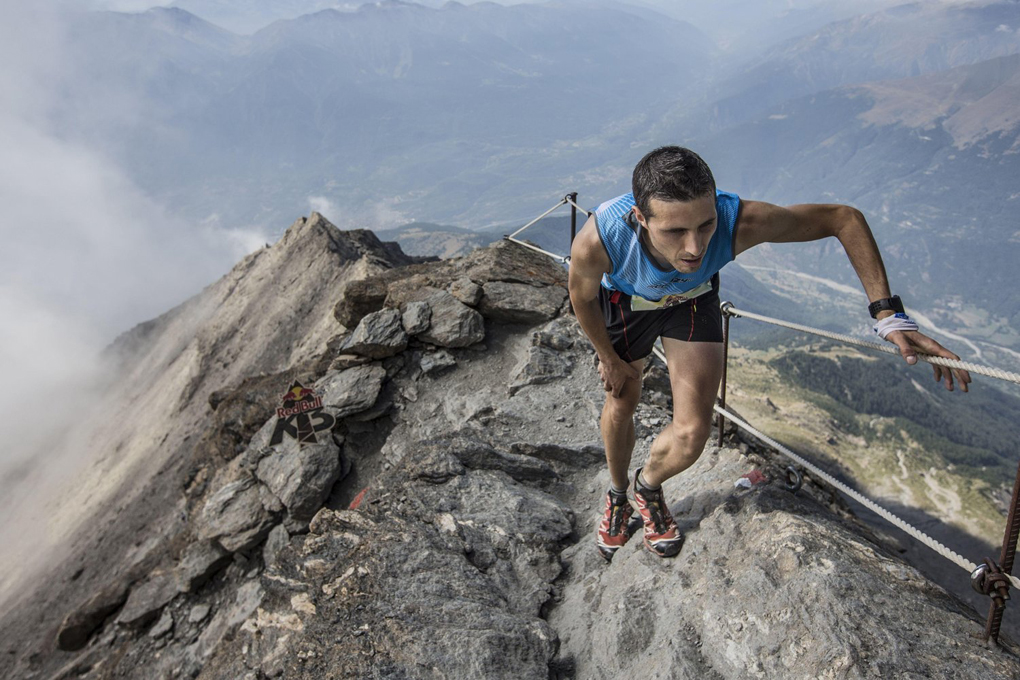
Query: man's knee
[
  {"x": 687, "y": 438},
  {"x": 620, "y": 409}
]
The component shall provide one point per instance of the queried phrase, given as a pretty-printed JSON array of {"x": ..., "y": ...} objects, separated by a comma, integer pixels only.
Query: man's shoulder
[{"x": 615, "y": 207}]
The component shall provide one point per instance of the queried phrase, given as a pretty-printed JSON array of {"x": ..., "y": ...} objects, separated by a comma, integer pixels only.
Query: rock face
[
  {"x": 378, "y": 335},
  {"x": 441, "y": 523}
]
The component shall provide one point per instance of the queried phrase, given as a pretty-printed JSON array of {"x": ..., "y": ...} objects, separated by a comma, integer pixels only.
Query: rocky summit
[{"x": 412, "y": 489}]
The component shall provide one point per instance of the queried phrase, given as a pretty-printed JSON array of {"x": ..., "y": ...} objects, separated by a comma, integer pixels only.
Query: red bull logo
[{"x": 301, "y": 416}]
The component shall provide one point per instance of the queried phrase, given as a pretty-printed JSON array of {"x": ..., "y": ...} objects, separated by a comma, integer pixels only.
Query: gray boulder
[
  {"x": 78, "y": 626},
  {"x": 277, "y": 540},
  {"x": 199, "y": 561},
  {"x": 147, "y": 599},
  {"x": 507, "y": 302},
  {"x": 352, "y": 390},
  {"x": 378, "y": 335},
  {"x": 436, "y": 362},
  {"x": 342, "y": 361},
  {"x": 301, "y": 476},
  {"x": 163, "y": 626},
  {"x": 454, "y": 324},
  {"x": 234, "y": 515},
  {"x": 416, "y": 317},
  {"x": 539, "y": 365},
  {"x": 466, "y": 290}
]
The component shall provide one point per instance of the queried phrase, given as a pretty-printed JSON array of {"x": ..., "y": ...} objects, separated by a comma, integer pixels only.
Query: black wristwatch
[{"x": 892, "y": 303}]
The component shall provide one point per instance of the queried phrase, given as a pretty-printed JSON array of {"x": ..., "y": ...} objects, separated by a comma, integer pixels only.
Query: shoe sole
[{"x": 665, "y": 554}]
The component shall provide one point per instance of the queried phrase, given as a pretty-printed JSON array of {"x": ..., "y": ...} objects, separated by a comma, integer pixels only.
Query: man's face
[{"x": 680, "y": 230}]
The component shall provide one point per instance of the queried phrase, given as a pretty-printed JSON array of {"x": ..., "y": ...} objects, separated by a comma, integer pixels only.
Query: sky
[{"x": 86, "y": 254}]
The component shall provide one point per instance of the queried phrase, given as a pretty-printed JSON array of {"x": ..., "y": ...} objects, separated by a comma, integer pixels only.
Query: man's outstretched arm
[{"x": 762, "y": 222}]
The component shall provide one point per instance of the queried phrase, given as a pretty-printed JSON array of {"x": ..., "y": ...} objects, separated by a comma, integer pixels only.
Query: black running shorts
[{"x": 634, "y": 333}]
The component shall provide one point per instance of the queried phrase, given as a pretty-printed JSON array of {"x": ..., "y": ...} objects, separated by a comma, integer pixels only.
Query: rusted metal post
[
  {"x": 725, "y": 360},
  {"x": 573, "y": 233},
  {"x": 573, "y": 218},
  {"x": 1005, "y": 559}
]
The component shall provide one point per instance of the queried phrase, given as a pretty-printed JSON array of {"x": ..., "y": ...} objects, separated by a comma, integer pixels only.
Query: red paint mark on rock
[{"x": 357, "y": 499}]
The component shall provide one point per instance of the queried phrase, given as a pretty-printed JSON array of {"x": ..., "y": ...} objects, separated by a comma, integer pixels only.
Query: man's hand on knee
[{"x": 615, "y": 372}]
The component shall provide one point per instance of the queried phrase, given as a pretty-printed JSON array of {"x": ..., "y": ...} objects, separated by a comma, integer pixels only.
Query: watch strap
[{"x": 892, "y": 303}]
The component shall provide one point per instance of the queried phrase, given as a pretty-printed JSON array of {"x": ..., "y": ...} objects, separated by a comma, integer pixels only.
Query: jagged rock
[
  {"x": 270, "y": 501},
  {"x": 229, "y": 616},
  {"x": 460, "y": 596},
  {"x": 465, "y": 558},
  {"x": 276, "y": 541},
  {"x": 147, "y": 599},
  {"x": 416, "y": 317},
  {"x": 591, "y": 454},
  {"x": 539, "y": 365},
  {"x": 199, "y": 561},
  {"x": 394, "y": 365},
  {"x": 359, "y": 297},
  {"x": 382, "y": 406},
  {"x": 198, "y": 613},
  {"x": 234, "y": 515},
  {"x": 435, "y": 463},
  {"x": 454, "y": 324},
  {"x": 352, "y": 390},
  {"x": 558, "y": 342},
  {"x": 301, "y": 475},
  {"x": 477, "y": 455},
  {"x": 294, "y": 525},
  {"x": 520, "y": 303},
  {"x": 508, "y": 261},
  {"x": 77, "y": 626},
  {"x": 241, "y": 410},
  {"x": 436, "y": 362},
  {"x": 378, "y": 335},
  {"x": 768, "y": 584},
  {"x": 343, "y": 361},
  {"x": 502, "y": 261},
  {"x": 163, "y": 626},
  {"x": 466, "y": 290}
]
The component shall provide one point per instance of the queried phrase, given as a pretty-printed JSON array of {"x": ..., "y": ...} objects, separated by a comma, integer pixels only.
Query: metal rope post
[
  {"x": 995, "y": 611},
  {"x": 572, "y": 198},
  {"x": 725, "y": 362}
]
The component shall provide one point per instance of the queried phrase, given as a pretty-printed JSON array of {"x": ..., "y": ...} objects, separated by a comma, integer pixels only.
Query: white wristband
[{"x": 896, "y": 322}]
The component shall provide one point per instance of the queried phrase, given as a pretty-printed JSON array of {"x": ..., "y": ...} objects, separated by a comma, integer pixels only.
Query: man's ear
[{"x": 638, "y": 216}]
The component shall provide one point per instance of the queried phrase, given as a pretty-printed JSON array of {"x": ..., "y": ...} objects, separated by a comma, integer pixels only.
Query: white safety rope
[
  {"x": 562, "y": 201},
  {"x": 544, "y": 252},
  {"x": 938, "y": 547},
  {"x": 889, "y": 349},
  {"x": 571, "y": 202}
]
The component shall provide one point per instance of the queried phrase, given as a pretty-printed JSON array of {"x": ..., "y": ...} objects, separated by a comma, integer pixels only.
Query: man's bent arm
[
  {"x": 761, "y": 222},
  {"x": 588, "y": 261},
  {"x": 583, "y": 281},
  {"x": 764, "y": 222}
]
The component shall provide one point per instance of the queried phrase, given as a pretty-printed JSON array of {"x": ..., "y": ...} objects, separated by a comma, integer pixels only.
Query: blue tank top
[{"x": 636, "y": 273}]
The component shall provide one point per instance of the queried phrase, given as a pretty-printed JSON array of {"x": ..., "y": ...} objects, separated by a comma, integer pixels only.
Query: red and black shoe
[
  {"x": 662, "y": 536},
  {"x": 617, "y": 526}
]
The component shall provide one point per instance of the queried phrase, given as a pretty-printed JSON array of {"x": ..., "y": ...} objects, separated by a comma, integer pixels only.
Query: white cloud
[
  {"x": 86, "y": 255},
  {"x": 324, "y": 207}
]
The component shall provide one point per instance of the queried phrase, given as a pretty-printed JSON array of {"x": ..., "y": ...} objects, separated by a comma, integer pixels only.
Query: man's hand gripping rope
[{"x": 901, "y": 330}]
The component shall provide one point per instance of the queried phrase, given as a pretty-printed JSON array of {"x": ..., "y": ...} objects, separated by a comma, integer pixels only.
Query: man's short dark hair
[{"x": 670, "y": 173}]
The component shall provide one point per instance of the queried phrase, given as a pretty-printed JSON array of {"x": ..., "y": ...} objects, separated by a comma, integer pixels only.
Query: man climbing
[{"x": 646, "y": 265}]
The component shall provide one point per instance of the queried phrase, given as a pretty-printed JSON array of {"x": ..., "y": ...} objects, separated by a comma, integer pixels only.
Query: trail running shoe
[
  {"x": 662, "y": 536},
  {"x": 617, "y": 525}
]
